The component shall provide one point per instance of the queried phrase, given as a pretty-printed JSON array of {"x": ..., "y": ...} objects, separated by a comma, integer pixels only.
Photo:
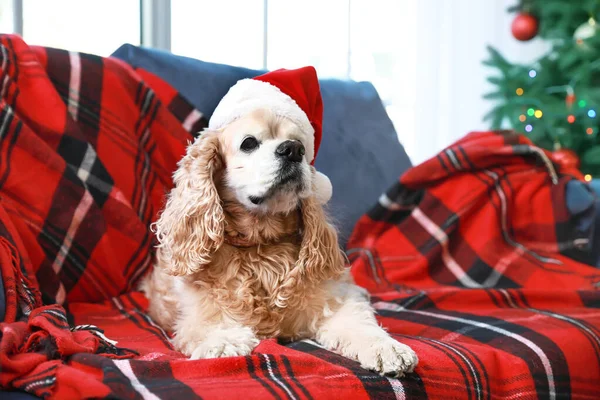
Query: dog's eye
[{"x": 249, "y": 144}]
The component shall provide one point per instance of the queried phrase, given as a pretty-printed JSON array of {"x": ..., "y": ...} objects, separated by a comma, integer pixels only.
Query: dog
[{"x": 245, "y": 252}]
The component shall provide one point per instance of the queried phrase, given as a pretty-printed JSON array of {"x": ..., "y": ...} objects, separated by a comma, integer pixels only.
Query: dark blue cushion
[
  {"x": 2, "y": 298},
  {"x": 360, "y": 151},
  {"x": 16, "y": 396}
]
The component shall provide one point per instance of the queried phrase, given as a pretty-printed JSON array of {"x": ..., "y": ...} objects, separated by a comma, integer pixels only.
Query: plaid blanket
[{"x": 464, "y": 257}]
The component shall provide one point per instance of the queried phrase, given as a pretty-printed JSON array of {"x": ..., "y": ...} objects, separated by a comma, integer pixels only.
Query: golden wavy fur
[{"x": 227, "y": 276}]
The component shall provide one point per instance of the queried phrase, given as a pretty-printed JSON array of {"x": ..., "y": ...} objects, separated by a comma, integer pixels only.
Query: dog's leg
[
  {"x": 202, "y": 331},
  {"x": 353, "y": 332}
]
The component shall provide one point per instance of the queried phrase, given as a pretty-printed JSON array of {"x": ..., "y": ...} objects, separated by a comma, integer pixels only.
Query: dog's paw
[
  {"x": 222, "y": 348},
  {"x": 231, "y": 342},
  {"x": 388, "y": 357}
]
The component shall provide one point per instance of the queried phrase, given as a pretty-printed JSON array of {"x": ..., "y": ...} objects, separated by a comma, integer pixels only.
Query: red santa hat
[{"x": 293, "y": 94}]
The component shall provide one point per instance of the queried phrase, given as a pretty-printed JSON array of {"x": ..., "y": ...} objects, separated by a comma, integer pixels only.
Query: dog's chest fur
[
  {"x": 247, "y": 284},
  {"x": 253, "y": 283}
]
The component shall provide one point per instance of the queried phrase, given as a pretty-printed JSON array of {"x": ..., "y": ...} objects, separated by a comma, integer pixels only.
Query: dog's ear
[
  {"x": 190, "y": 229},
  {"x": 320, "y": 255}
]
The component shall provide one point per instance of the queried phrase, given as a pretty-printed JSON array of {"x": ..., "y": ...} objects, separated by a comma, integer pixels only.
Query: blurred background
[{"x": 423, "y": 56}]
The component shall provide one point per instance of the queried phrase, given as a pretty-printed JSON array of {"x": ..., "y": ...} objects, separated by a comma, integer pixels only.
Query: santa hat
[{"x": 293, "y": 94}]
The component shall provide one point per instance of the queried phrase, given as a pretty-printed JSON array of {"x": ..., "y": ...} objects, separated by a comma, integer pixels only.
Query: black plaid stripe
[
  {"x": 10, "y": 130},
  {"x": 251, "y": 368},
  {"x": 84, "y": 99},
  {"x": 58, "y": 68},
  {"x": 589, "y": 298},
  {"x": 186, "y": 113},
  {"x": 88, "y": 169},
  {"x": 270, "y": 370},
  {"x": 157, "y": 377},
  {"x": 71, "y": 208},
  {"x": 290, "y": 373},
  {"x": 395, "y": 204},
  {"x": 148, "y": 105},
  {"x": 120, "y": 385}
]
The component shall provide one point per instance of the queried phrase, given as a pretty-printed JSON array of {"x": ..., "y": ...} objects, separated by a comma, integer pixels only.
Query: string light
[
  {"x": 519, "y": 91},
  {"x": 532, "y": 73},
  {"x": 582, "y": 103},
  {"x": 587, "y": 177},
  {"x": 522, "y": 117},
  {"x": 589, "y": 131},
  {"x": 592, "y": 114},
  {"x": 571, "y": 118},
  {"x": 530, "y": 112},
  {"x": 538, "y": 114},
  {"x": 528, "y": 128}
]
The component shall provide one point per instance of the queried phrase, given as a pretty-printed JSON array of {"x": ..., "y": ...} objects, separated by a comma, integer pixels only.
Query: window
[
  {"x": 97, "y": 27},
  {"x": 308, "y": 32},
  {"x": 210, "y": 31},
  {"x": 6, "y": 16}
]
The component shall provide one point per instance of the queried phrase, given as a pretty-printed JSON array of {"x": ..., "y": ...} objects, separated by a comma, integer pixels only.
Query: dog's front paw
[
  {"x": 388, "y": 357},
  {"x": 230, "y": 342}
]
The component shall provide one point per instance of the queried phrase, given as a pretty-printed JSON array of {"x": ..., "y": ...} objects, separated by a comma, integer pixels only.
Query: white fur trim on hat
[
  {"x": 248, "y": 95},
  {"x": 322, "y": 186}
]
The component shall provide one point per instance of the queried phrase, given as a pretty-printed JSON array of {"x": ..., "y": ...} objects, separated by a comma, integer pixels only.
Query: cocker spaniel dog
[{"x": 245, "y": 249}]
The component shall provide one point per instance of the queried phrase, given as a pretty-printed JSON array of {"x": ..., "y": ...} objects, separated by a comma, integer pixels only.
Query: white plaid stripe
[
  {"x": 6, "y": 120},
  {"x": 278, "y": 381},
  {"x": 398, "y": 389},
  {"x": 381, "y": 305},
  {"x": 449, "y": 261},
  {"x": 78, "y": 216},
  {"x": 74, "y": 84},
  {"x": 191, "y": 119},
  {"x": 125, "y": 367}
]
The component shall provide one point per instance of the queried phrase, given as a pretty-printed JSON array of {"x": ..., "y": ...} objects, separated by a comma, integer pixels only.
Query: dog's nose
[{"x": 293, "y": 150}]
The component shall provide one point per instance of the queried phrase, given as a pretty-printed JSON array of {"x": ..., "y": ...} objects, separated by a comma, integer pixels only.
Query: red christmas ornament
[
  {"x": 524, "y": 27},
  {"x": 569, "y": 100},
  {"x": 566, "y": 158}
]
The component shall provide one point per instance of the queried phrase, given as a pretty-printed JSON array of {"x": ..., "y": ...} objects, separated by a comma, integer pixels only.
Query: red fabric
[
  {"x": 302, "y": 85},
  {"x": 87, "y": 149}
]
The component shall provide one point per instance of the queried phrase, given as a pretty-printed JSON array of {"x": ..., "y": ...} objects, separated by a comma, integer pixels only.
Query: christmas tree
[{"x": 556, "y": 99}]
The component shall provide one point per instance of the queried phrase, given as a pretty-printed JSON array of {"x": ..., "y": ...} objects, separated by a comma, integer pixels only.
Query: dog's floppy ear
[
  {"x": 191, "y": 226},
  {"x": 320, "y": 255}
]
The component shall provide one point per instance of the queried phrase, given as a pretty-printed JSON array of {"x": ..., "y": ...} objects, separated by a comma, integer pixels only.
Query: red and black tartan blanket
[{"x": 462, "y": 256}]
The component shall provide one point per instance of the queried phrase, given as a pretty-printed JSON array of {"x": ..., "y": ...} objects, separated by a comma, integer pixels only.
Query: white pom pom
[{"x": 322, "y": 187}]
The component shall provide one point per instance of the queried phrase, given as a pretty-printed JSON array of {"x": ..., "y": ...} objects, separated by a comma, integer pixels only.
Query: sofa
[{"x": 482, "y": 258}]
